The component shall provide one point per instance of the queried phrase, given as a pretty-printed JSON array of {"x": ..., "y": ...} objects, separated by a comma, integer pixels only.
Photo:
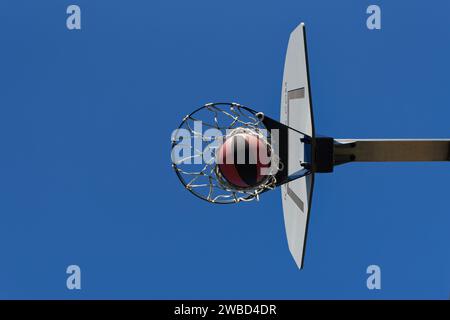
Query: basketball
[{"x": 243, "y": 160}]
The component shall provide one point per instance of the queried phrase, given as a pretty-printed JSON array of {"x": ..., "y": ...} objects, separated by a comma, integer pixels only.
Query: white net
[{"x": 196, "y": 141}]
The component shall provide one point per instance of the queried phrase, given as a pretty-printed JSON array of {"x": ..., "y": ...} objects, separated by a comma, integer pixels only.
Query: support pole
[{"x": 372, "y": 150}]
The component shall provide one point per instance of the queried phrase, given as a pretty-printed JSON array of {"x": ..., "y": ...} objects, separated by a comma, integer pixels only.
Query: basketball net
[{"x": 196, "y": 141}]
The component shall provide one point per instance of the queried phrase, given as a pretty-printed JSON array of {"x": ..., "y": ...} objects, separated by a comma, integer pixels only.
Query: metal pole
[{"x": 373, "y": 150}]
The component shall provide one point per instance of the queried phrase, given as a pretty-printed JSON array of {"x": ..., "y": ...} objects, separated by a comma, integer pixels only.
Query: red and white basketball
[{"x": 243, "y": 160}]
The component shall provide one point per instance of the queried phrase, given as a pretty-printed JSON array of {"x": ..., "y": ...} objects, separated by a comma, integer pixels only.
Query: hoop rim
[{"x": 223, "y": 186}]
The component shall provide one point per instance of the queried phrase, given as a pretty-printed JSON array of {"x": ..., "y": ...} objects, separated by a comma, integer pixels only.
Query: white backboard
[{"x": 296, "y": 112}]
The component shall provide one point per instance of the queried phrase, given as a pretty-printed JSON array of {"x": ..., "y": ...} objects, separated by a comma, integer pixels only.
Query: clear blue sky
[{"x": 85, "y": 124}]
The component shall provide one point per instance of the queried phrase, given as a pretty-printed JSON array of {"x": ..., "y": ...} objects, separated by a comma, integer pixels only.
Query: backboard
[{"x": 296, "y": 112}]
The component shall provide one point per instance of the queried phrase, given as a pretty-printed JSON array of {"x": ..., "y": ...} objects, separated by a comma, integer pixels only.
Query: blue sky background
[{"x": 85, "y": 124}]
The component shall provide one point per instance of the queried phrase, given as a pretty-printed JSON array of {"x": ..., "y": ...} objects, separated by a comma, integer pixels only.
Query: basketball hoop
[
  {"x": 296, "y": 152},
  {"x": 199, "y": 171}
]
